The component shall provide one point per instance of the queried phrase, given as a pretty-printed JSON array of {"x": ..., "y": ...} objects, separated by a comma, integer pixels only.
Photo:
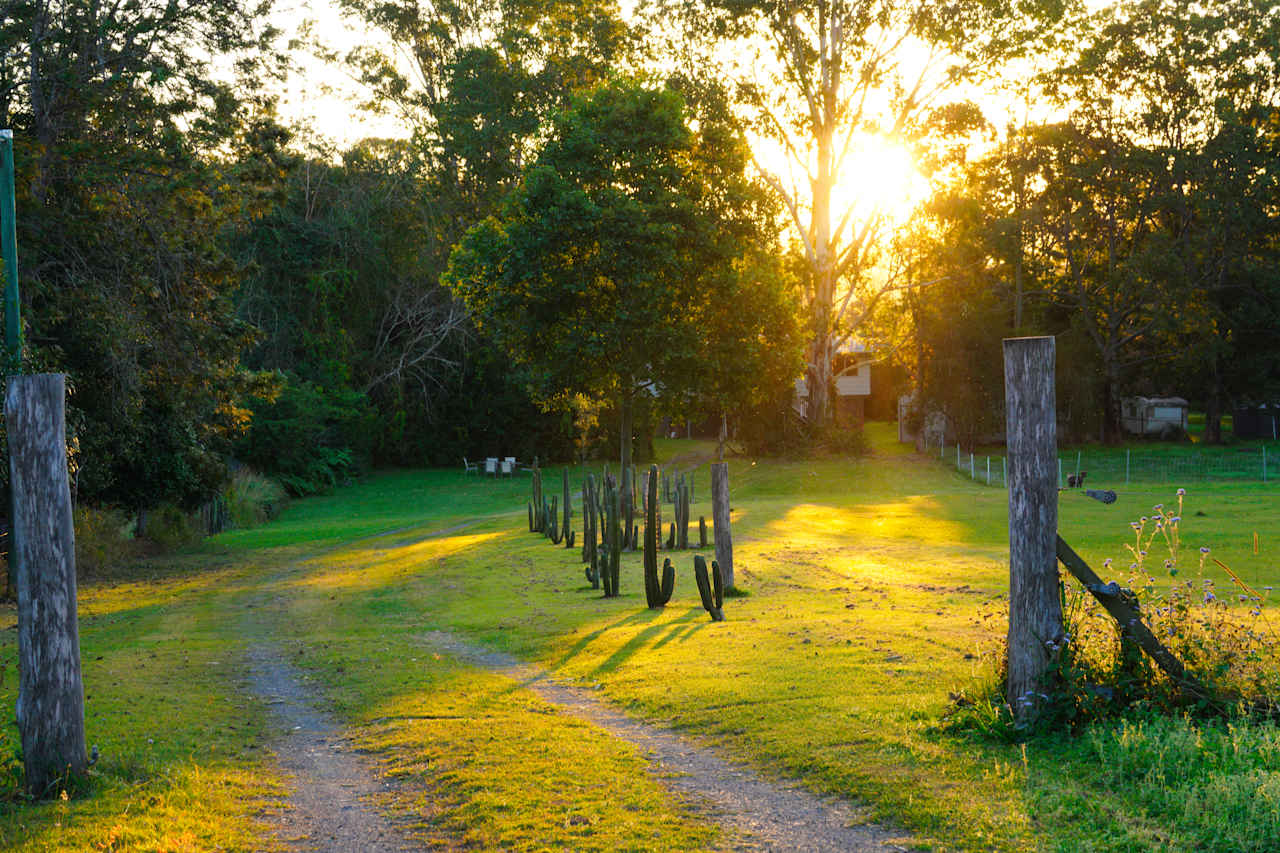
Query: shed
[
  {"x": 1154, "y": 415},
  {"x": 1257, "y": 421}
]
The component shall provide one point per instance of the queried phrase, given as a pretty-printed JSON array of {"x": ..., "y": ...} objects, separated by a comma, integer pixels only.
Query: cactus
[
  {"x": 539, "y": 521},
  {"x": 671, "y": 540},
  {"x": 566, "y": 528},
  {"x": 590, "y": 540},
  {"x": 710, "y": 589},
  {"x": 682, "y": 514},
  {"x": 613, "y": 534},
  {"x": 530, "y": 517},
  {"x": 555, "y": 534},
  {"x": 702, "y": 531},
  {"x": 657, "y": 593}
]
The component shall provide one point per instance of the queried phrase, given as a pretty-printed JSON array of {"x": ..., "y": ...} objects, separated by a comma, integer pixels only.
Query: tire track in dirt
[{"x": 759, "y": 814}]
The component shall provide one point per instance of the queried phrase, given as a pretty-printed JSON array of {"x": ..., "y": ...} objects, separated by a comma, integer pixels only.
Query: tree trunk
[
  {"x": 50, "y": 690},
  {"x": 720, "y": 516},
  {"x": 1213, "y": 407},
  {"x": 1035, "y": 609}
]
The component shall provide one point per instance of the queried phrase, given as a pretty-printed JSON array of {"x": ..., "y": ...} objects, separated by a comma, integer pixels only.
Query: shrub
[
  {"x": 170, "y": 527},
  {"x": 252, "y": 499},
  {"x": 104, "y": 544}
]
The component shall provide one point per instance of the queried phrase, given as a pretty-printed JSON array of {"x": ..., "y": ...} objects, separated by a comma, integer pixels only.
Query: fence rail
[{"x": 1112, "y": 466}]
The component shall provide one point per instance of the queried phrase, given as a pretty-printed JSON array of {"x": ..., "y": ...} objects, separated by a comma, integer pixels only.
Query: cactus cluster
[
  {"x": 590, "y": 532},
  {"x": 711, "y": 589}
]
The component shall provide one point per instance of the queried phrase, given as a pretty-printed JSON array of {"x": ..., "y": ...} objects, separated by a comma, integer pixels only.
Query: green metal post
[{"x": 9, "y": 251}]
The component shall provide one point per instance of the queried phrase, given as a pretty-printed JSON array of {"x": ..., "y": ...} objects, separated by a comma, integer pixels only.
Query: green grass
[{"x": 866, "y": 579}]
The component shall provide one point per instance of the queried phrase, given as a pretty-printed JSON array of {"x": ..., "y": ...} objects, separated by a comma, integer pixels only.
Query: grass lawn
[{"x": 867, "y": 583}]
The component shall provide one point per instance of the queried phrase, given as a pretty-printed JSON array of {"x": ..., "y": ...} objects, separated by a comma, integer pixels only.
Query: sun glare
[{"x": 879, "y": 178}]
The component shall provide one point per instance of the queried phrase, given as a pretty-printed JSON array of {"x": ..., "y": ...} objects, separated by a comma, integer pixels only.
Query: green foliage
[
  {"x": 252, "y": 499},
  {"x": 620, "y": 250},
  {"x": 129, "y": 170},
  {"x": 104, "y": 541},
  {"x": 170, "y": 527},
  {"x": 306, "y": 437}
]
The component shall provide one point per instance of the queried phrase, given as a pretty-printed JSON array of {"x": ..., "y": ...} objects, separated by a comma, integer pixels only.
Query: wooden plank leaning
[{"x": 1121, "y": 604}]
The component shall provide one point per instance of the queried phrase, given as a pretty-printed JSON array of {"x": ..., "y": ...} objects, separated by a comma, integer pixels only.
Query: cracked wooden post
[
  {"x": 50, "y": 690},
  {"x": 1035, "y": 609},
  {"x": 720, "y": 518}
]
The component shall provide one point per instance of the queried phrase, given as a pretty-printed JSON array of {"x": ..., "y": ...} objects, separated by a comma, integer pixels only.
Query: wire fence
[{"x": 1111, "y": 466}]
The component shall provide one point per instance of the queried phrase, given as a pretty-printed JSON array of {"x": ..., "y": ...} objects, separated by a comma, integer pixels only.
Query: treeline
[
  {"x": 1142, "y": 228},
  {"x": 219, "y": 292}
]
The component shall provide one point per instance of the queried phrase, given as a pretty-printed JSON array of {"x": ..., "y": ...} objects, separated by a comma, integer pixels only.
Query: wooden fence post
[
  {"x": 720, "y": 516},
  {"x": 1035, "y": 610},
  {"x": 50, "y": 690}
]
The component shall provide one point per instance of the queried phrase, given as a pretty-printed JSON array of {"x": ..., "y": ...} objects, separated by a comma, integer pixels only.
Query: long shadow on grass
[{"x": 639, "y": 641}]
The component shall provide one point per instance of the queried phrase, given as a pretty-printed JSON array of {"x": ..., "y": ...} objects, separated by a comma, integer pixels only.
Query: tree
[
  {"x": 819, "y": 77},
  {"x": 127, "y": 145},
  {"x": 623, "y": 248}
]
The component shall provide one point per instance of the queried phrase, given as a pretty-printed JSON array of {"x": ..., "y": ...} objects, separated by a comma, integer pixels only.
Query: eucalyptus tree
[
  {"x": 629, "y": 244},
  {"x": 816, "y": 78}
]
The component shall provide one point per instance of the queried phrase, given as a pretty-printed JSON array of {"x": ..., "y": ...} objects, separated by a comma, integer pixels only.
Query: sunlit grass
[{"x": 866, "y": 581}]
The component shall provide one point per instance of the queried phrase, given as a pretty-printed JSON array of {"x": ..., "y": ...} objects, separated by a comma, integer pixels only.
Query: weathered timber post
[
  {"x": 50, "y": 690},
  {"x": 720, "y": 517},
  {"x": 1035, "y": 609}
]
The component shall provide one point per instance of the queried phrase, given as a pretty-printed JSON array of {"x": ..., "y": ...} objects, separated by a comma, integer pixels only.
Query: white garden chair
[
  {"x": 469, "y": 467},
  {"x": 491, "y": 466}
]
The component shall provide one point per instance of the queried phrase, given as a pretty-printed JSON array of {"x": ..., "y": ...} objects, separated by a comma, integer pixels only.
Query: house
[
  {"x": 1161, "y": 416},
  {"x": 852, "y": 366}
]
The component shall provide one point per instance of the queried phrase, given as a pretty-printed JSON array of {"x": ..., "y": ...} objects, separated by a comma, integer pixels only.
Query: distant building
[
  {"x": 1256, "y": 421},
  {"x": 852, "y": 366},
  {"x": 1154, "y": 415}
]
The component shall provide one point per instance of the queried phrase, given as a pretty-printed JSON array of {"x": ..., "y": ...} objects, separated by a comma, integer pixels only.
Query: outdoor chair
[
  {"x": 508, "y": 465},
  {"x": 470, "y": 467},
  {"x": 491, "y": 466}
]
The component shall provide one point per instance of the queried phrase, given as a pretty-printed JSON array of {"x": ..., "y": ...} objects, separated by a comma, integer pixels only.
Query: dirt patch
[{"x": 759, "y": 814}]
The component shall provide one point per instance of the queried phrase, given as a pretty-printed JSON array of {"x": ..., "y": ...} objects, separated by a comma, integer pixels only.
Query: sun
[{"x": 879, "y": 178}]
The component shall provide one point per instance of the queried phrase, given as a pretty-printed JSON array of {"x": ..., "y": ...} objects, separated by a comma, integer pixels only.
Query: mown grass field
[{"x": 867, "y": 583}]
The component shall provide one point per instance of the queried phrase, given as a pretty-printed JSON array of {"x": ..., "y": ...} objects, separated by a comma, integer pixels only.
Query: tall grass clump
[{"x": 252, "y": 499}]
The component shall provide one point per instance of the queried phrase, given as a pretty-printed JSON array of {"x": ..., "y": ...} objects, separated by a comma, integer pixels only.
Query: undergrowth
[{"x": 1226, "y": 641}]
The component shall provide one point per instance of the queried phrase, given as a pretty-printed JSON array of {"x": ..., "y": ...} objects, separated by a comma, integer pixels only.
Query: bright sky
[{"x": 320, "y": 95}]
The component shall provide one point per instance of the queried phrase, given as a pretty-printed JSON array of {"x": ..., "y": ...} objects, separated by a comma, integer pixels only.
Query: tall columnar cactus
[
  {"x": 590, "y": 522},
  {"x": 656, "y": 592},
  {"x": 554, "y": 533},
  {"x": 629, "y": 528},
  {"x": 682, "y": 514},
  {"x": 538, "y": 525},
  {"x": 710, "y": 589},
  {"x": 530, "y": 516},
  {"x": 702, "y": 531},
  {"x": 671, "y": 540},
  {"x": 613, "y": 521},
  {"x": 567, "y": 527}
]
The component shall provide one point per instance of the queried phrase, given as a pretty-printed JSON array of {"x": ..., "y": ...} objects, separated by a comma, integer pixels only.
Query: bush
[
  {"x": 252, "y": 499},
  {"x": 104, "y": 544},
  {"x": 170, "y": 527}
]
